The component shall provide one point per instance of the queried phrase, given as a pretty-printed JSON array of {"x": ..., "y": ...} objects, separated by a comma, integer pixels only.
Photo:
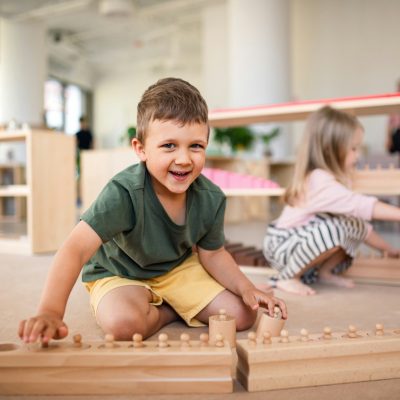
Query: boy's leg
[
  {"x": 126, "y": 310},
  {"x": 234, "y": 306}
]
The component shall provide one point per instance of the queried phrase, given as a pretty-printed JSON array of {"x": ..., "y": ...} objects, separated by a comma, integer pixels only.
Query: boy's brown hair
[{"x": 170, "y": 99}]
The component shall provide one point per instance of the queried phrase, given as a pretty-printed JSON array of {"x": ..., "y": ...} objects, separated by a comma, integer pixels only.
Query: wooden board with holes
[
  {"x": 318, "y": 361},
  {"x": 93, "y": 368}
]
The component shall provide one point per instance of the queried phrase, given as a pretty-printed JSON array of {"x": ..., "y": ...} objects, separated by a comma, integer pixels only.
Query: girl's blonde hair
[{"x": 326, "y": 141}]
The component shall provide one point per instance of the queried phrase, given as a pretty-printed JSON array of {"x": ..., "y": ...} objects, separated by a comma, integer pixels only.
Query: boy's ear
[{"x": 138, "y": 147}]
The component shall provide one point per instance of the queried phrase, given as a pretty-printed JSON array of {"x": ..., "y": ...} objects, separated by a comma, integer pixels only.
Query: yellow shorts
[{"x": 188, "y": 288}]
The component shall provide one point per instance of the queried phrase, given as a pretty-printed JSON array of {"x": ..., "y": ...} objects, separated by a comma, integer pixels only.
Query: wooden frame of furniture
[{"x": 50, "y": 191}]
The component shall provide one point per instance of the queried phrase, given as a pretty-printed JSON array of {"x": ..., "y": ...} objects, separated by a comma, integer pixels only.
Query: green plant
[
  {"x": 129, "y": 134},
  {"x": 238, "y": 137},
  {"x": 267, "y": 138}
]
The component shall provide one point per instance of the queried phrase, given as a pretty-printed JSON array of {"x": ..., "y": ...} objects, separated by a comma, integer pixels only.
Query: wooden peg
[
  {"x": 327, "y": 333},
  {"x": 352, "y": 332},
  {"x": 379, "y": 330},
  {"x": 304, "y": 335},
  {"x": 204, "y": 339},
  {"x": 219, "y": 340},
  {"x": 185, "y": 340},
  {"x": 77, "y": 339},
  {"x": 267, "y": 337},
  {"x": 252, "y": 338},
  {"x": 163, "y": 340},
  {"x": 137, "y": 339},
  {"x": 109, "y": 338},
  {"x": 284, "y": 336},
  {"x": 222, "y": 315}
]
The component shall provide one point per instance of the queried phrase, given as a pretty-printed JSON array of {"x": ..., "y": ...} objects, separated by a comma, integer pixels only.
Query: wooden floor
[{"x": 363, "y": 306}]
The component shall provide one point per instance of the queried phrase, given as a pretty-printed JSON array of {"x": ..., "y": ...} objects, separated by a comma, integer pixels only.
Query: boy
[{"x": 136, "y": 240}]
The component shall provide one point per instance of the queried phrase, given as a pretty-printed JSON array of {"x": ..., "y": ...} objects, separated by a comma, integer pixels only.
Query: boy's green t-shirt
[{"x": 140, "y": 241}]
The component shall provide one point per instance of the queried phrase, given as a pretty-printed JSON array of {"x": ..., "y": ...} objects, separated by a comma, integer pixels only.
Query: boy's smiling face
[{"x": 174, "y": 154}]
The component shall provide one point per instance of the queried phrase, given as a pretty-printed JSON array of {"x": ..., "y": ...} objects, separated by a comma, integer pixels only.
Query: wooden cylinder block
[
  {"x": 272, "y": 324},
  {"x": 224, "y": 325}
]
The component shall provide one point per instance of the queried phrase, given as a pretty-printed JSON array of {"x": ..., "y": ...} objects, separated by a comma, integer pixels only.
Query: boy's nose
[{"x": 182, "y": 157}]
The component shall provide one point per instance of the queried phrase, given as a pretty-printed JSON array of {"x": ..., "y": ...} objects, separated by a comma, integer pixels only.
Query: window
[{"x": 64, "y": 104}]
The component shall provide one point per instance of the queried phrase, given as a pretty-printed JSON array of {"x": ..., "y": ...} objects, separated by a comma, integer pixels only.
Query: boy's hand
[
  {"x": 255, "y": 298},
  {"x": 43, "y": 327}
]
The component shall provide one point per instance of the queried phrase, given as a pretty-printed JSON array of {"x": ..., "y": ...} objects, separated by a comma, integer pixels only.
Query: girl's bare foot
[
  {"x": 295, "y": 286},
  {"x": 336, "y": 280}
]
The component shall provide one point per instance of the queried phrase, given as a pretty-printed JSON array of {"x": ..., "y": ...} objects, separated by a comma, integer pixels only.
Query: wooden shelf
[
  {"x": 19, "y": 135},
  {"x": 49, "y": 192},
  {"x": 14, "y": 191},
  {"x": 367, "y": 105}
]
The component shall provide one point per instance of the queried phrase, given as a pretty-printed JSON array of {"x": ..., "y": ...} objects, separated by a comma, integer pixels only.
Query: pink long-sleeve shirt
[{"x": 325, "y": 194}]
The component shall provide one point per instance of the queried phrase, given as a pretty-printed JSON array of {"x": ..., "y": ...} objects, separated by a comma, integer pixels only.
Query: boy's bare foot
[
  {"x": 264, "y": 287},
  {"x": 295, "y": 286},
  {"x": 336, "y": 280}
]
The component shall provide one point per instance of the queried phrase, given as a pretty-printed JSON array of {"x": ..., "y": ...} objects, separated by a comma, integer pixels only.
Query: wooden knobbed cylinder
[
  {"x": 273, "y": 325},
  {"x": 224, "y": 325}
]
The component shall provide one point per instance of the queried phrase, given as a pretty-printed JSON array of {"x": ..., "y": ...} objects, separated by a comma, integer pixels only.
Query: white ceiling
[{"x": 166, "y": 31}]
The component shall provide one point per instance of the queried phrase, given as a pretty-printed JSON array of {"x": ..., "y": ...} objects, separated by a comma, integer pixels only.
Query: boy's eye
[
  {"x": 168, "y": 145},
  {"x": 197, "y": 146}
]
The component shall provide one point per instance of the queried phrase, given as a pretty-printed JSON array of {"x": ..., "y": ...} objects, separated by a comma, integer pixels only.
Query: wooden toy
[
  {"x": 224, "y": 325},
  {"x": 375, "y": 268},
  {"x": 156, "y": 367},
  {"x": 273, "y": 325},
  {"x": 267, "y": 363}
]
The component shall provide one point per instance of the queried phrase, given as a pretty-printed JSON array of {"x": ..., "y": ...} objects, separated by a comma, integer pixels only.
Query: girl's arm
[
  {"x": 80, "y": 245},
  {"x": 377, "y": 242},
  {"x": 385, "y": 212}
]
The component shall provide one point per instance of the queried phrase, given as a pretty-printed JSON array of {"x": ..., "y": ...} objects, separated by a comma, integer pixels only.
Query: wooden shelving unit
[
  {"x": 50, "y": 191},
  {"x": 382, "y": 182},
  {"x": 296, "y": 111}
]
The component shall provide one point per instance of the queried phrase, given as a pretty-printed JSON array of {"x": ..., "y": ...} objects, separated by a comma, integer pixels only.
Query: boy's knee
[
  {"x": 245, "y": 318},
  {"x": 124, "y": 326}
]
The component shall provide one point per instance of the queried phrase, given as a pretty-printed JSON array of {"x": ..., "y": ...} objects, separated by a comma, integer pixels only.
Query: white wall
[
  {"x": 338, "y": 48},
  {"x": 346, "y": 48}
]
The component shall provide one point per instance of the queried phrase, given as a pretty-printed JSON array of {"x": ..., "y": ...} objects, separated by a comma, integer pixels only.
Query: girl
[{"x": 324, "y": 222}]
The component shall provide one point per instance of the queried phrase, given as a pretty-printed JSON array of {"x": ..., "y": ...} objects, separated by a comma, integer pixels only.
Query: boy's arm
[
  {"x": 222, "y": 267},
  {"x": 80, "y": 245}
]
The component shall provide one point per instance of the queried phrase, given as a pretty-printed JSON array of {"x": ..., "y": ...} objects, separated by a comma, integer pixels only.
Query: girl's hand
[{"x": 255, "y": 298}]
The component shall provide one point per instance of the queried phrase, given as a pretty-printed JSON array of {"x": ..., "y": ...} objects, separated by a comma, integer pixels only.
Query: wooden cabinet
[{"x": 49, "y": 192}]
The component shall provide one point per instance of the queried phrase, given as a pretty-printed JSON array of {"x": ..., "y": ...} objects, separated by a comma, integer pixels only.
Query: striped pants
[{"x": 290, "y": 250}]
